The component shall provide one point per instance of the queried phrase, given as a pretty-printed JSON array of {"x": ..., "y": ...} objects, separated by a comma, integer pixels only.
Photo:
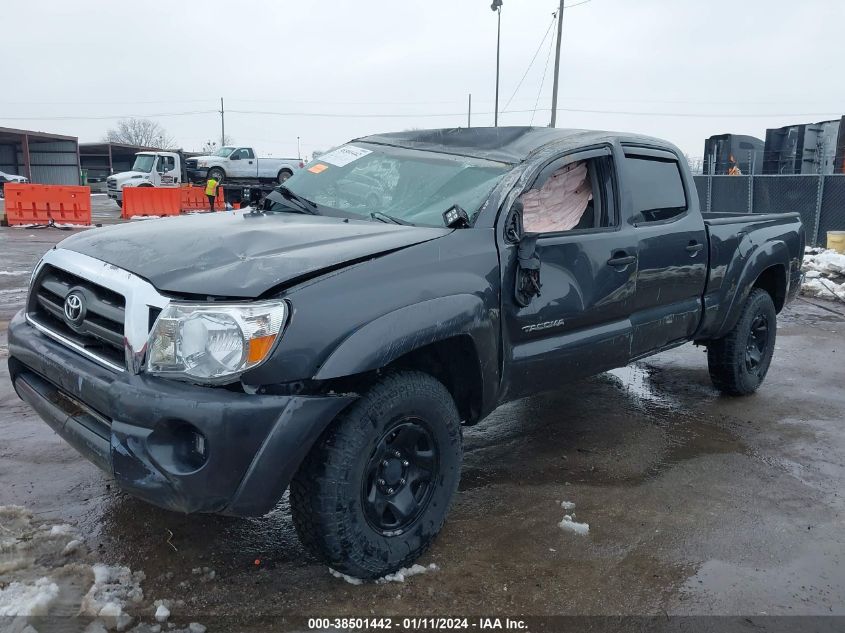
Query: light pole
[
  {"x": 497, "y": 7},
  {"x": 557, "y": 63}
]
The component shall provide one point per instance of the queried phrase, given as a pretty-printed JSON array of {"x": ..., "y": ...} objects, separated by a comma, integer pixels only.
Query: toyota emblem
[{"x": 74, "y": 310}]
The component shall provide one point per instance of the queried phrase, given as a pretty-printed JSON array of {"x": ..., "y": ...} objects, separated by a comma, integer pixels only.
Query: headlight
[
  {"x": 202, "y": 163},
  {"x": 213, "y": 343}
]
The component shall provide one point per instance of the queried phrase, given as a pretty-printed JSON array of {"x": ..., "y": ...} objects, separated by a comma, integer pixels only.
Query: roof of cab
[{"x": 503, "y": 144}]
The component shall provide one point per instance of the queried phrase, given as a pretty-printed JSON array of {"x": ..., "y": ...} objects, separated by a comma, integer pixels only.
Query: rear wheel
[
  {"x": 283, "y": 175},
  {"x": 739, "y": 361},
  {"x": 374, "y": 492}
]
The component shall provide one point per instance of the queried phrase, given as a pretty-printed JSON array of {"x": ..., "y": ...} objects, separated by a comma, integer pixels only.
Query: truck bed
[{"x": 740, "y": 245}]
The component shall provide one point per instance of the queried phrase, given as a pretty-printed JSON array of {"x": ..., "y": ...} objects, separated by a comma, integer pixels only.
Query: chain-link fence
[{"x": 820, "y": 200}]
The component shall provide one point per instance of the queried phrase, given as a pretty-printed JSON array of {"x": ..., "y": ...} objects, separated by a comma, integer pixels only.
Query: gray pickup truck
[{"x": 334, "y": 342}]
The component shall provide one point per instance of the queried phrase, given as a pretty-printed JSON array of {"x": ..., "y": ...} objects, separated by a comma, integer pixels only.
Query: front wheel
[
  {"x": 373, "y": 493},
  {"x": 218, "y": 174},
  {"x": 739, "y": 361}
]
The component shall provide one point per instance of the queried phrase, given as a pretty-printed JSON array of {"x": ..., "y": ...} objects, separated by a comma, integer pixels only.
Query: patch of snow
[
  {"x": 145, "y": 217},
  {"x": 349, "y": 579},
  {"x": 62, "y": 530},
  {"x": 20, "y": 599},
  {"x": 406, "y": 572},
  {"x": 569, "y": 524},
  {"x": 45, "y": 569},
  {"x": 567, "y": 505},
  {"x": 196, "y": 627},
  {"x": 824, "y": 274},
  {"x": 13, "y": 273},
  {"x": 162, "y": 613}
]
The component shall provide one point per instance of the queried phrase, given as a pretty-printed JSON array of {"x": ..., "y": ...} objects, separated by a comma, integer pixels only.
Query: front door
[
  {"x": 167, "y": 171},
  {"x": 579, "y": 323},
  {"x": 244, "y": 165}
]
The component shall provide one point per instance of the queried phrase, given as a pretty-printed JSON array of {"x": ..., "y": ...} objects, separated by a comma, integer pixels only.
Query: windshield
[
  {"x": 410, "y": 185},
  {"x": 144, "y": 163},
  {"x": 223, "y": 152}
]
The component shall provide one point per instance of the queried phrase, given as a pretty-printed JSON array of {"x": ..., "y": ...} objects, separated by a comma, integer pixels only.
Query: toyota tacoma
[{"x": 333, "y": 342}]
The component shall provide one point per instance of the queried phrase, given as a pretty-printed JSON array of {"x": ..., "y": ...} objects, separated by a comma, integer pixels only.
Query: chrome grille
[{"x": 100, "y": 332}]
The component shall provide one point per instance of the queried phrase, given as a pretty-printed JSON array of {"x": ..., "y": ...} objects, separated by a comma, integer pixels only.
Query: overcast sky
[{"x": 381, "y": 65}]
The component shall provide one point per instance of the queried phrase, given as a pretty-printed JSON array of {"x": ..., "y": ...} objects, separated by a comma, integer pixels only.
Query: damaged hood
[{"x": 241, "y": 255}]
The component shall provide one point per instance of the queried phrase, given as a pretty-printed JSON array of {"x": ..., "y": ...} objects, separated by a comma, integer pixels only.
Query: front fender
[
  {"x": 393, "y": 335},
  {"x": 772, "y": 253}
]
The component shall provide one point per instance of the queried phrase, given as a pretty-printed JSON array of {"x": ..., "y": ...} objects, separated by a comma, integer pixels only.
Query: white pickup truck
[{"x": 241, "y": 162}]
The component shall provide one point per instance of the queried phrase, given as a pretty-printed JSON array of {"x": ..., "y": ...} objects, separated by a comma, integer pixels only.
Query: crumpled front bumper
[{"x": 132, "y": 427}]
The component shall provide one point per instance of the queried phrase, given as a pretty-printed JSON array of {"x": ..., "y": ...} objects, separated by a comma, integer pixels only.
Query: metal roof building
[
  {"x": 45, "y": 158},
  {"x": 101, "y": 160}
]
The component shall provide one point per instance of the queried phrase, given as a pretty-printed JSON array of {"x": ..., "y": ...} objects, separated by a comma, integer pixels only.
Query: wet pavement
[{"x": 696, "y": 503}]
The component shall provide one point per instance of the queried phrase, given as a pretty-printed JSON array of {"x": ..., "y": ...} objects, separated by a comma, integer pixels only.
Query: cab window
[
  {"x": 656, "y": 189},
  {"x": 574, "y": 196}
]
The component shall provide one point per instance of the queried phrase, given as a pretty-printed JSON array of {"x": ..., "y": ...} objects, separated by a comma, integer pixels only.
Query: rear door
[
  {"x": 579, "y": 323},
  {"x": 672, "y": 248}
]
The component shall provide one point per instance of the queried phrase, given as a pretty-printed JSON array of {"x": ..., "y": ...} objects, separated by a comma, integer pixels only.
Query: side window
[
  {"x": 570, "y": 197},
  {"x": 657, "y": 191},
  {"x": 245, "y": 153},
  {"x": 167, "y": 163}
]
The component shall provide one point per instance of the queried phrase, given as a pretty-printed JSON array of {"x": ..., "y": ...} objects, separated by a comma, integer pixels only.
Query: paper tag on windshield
[{"x": 344, "y": 155}]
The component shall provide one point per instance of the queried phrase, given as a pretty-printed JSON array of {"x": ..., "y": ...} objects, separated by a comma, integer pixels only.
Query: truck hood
[
  {"x": 125, "y": 176},
  {"x": 240, "y": 254}
]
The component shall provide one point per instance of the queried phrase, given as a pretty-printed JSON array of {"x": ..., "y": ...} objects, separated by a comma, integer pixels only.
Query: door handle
[
  {"x": 694, "y": 247},
  {"x": 621, "y": 259}
]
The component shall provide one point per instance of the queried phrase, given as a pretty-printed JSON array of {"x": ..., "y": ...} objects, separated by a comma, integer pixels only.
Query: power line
[
  {"x": 531, "y": 63},
  {"x": 542, "y": 81},
  {"x": 106, "y": 117},
  {"x": 411, "y": 115},
  {"x": 573, "y": 110}
]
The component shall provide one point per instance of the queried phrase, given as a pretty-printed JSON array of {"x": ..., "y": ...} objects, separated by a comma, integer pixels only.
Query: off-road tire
[
  {"x": 326, "y": 495},
  {"x": 726, "y": 357}
]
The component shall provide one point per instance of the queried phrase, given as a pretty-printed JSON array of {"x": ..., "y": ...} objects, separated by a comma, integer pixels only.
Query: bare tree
[
  {"x": 211, "y": 146},
  {"x": 143, "y": 132}
]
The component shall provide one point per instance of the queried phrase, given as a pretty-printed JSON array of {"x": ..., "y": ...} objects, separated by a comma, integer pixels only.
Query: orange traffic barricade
[
  {"x": 194, "y": 199},
  {"x": 147, "y": 201},
  {"x": 45, "y": 204}
]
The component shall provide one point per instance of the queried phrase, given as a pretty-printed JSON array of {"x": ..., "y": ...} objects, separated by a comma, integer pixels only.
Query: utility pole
[
  {"x": 497, "y": 7},
  {"x": 298, "y": 149},
  {"x": 557, "y": 63},
  {"x": 469, "y": 111},
  {"x": 222, "y": 125}
]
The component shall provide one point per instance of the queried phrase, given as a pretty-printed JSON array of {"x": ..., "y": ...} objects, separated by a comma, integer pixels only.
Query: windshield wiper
[
  {"x": 384, "y": 217},
  {"x": 305, "y": 204}
]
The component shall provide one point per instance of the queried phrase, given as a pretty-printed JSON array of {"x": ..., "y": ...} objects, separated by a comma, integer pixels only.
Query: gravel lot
[{"x": 696, "y": 503}]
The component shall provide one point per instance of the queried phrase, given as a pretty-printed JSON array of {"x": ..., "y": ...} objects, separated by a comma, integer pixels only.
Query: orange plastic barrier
[
  {"x": 150, "y": 201},
  {"x": 41, "y": 204},
  {"x": 194, "y": 199}
]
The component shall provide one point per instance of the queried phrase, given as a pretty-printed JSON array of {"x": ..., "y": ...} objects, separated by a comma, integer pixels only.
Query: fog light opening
[{"x": 178, "y": 447}]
